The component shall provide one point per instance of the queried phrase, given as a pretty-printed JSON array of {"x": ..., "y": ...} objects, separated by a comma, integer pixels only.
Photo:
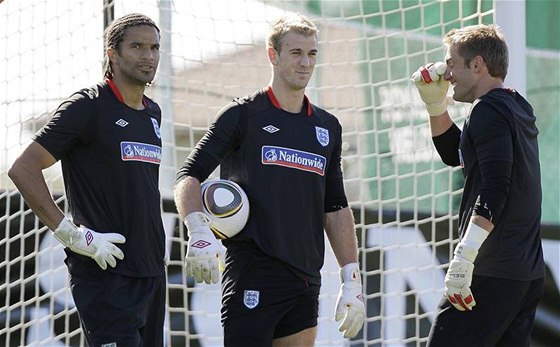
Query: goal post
[{"x": 405, "y": 201}]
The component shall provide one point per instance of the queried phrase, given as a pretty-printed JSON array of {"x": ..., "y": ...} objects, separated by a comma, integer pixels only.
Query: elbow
[
  {"x": 20, "y": 172},
  {"x": 13, "y": 171},
  {"x": 451, "y": 162}
]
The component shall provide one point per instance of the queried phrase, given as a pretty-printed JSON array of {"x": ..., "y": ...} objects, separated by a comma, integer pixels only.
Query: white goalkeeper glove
[
  {"x": 350, "y": 302},
  {"x": 98, "y": 246},
  {"x": 432, "y": 87},
  {"x": 204, "y": 252},
  {"x": 459, "y": 274}
]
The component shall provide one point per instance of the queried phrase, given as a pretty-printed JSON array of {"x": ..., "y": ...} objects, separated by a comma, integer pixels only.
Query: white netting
[{"x": 404, "y": 199}]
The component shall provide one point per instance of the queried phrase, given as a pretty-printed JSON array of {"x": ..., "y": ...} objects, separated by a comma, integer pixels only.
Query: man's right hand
[
  {"x": 350, "y": 306},
  {"x": 432, "y": 87},
  {"x": 98, "y": 246},
  {"x": 204, "y": 252}
]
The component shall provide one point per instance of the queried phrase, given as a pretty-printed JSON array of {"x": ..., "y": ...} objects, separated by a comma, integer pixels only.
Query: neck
[
  {"x": 487, "y": 84},
  {"x": 132, "y": 94},
  {"x": 289, "y": 100}
]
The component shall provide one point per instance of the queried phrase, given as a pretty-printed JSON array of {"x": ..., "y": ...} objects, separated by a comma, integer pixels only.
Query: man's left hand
[{"x": 458, "y": 282}]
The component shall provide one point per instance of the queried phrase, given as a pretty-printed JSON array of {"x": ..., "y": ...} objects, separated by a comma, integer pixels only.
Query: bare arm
[
  {"x": 483, "y": 223},
  {"x": 339, "y": 226},
  {"x": 26, "y": 173},
  {"x": 187, "y": 196},
  {"x": 440, "y": 124}
]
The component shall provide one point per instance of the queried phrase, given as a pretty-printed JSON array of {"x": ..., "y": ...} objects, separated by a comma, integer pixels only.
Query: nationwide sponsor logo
[
  {"x": 322, "y": 136},
  {"x": 251, "y": 298},
  {"x": 137, "y": 151},
  {"x": 292, "y": 158}
]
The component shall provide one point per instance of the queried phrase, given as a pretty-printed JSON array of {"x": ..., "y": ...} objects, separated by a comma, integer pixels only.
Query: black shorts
[
  {"x": 503, "y": 315},
  {"x": 116, "y": 310},
  {"x": 262, "y": 299}
]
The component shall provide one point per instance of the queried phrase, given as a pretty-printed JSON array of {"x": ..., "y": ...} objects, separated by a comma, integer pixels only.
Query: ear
[
  {"x": 272, "y": 55},
  {"x": 478, "y": 63},
  {"x": 111, "y": 54}
]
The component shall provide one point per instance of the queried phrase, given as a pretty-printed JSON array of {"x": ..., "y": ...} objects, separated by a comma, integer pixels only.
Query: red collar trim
[
  {"x": 118, "y": 94},
  {"x": 276, "y": 104}
]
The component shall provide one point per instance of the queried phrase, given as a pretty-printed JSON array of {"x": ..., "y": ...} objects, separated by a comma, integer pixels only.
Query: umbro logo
[
  {"x": 271, "y": 129},
  {"x": 121, "y": 122}
]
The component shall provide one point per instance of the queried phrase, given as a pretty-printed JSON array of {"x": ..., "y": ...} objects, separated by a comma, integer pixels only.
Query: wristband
[
  {"x": 66, "y": 232},
  {"x": 195, "y": 220},
  {"x": 350, "y": 273},
  {"x": 471, "y": 242}
]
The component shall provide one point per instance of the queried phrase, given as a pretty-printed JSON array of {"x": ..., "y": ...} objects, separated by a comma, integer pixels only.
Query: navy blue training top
[
  {"x": 290, "y": 167},
  {"x": 499, "y": 154},
  {"x": 110, "y": 156}
]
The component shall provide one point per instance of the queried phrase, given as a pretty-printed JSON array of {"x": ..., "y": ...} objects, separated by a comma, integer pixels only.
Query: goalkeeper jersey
[
  {"x": 110, "y": 156},
  {"x": 290, "y": 167},
  {"x": 498, "y": 152}
]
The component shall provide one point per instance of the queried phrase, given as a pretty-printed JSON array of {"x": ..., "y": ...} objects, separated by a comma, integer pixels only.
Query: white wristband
[
  {"x": 196, "y": 219},
  {"x": 350, "y": 273},
  {"x": 66, "y": 232},
  {"x": 472, "y": 240},
  {"x": 474, "y": 236}
]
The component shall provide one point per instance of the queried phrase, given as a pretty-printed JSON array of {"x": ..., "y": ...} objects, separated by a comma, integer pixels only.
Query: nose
[
  {"x": 447, "y": 74},
  {"x": 149, "y": 54},
  {"x": 305, "y": 61}
]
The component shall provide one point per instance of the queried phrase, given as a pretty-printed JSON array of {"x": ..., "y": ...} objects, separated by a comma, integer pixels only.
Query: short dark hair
[
  {"x": 114, "y": 34},
  {"x": 484, "y": 40}
]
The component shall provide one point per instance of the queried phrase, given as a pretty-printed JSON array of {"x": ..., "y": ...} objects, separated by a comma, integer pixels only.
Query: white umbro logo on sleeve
[
  {"x": 271, "y": 129},
  {"x": 121, "y": 122}
]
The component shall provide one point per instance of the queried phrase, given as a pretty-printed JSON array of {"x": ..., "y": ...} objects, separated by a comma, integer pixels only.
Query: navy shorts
[
  {"x": 116, "y": 310},
  {"x": 262, "y": 299},
  {"x": 503, "y": 315}
]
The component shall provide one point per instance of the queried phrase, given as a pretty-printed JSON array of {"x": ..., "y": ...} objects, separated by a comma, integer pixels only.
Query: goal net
[{"x": 404, "y": 199}]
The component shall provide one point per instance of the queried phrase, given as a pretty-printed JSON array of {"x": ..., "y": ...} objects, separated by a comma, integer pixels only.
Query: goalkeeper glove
[
  {"x": 350, "y": 302},
  {"x": 204, "y": 251},
  {"x": 98, "y": 246},
  {"x": 432, "y": 87},
  {"x": 459, "y": 274}
]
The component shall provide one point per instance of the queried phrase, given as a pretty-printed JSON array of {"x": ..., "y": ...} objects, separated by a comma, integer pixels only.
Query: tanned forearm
[
  {"x": 340, "y": 230},
  {"x": 185, "y": 194},
  {"x": 27, "y": 175},
  {"x": 440, "y": 124}
]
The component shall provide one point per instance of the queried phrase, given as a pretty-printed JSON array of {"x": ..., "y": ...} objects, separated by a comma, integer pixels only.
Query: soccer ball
[{"x": 227, "y": 206}]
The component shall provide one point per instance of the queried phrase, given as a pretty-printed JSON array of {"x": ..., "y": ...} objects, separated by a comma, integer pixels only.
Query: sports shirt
[
  {"x": 290, "y": 167},
  {"x": 499, "y": 154},
  {"x": 110, "y": 156}
]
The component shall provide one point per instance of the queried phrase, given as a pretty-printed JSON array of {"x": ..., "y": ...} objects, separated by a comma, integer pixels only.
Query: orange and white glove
[
  {"x": 205, "y": 253},
  {"x": 459, "y": 274},
  {"x": 98, "y": 246},
  {"x": 432, "y": 87},
  {"x": 350, "y": 302}
]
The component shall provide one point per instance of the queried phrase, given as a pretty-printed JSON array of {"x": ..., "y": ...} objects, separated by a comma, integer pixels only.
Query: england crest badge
[
  {"x": 156, "y": 128},
  {"x": 251, "y": 298},
  {"x": 322, "y": 136}
]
